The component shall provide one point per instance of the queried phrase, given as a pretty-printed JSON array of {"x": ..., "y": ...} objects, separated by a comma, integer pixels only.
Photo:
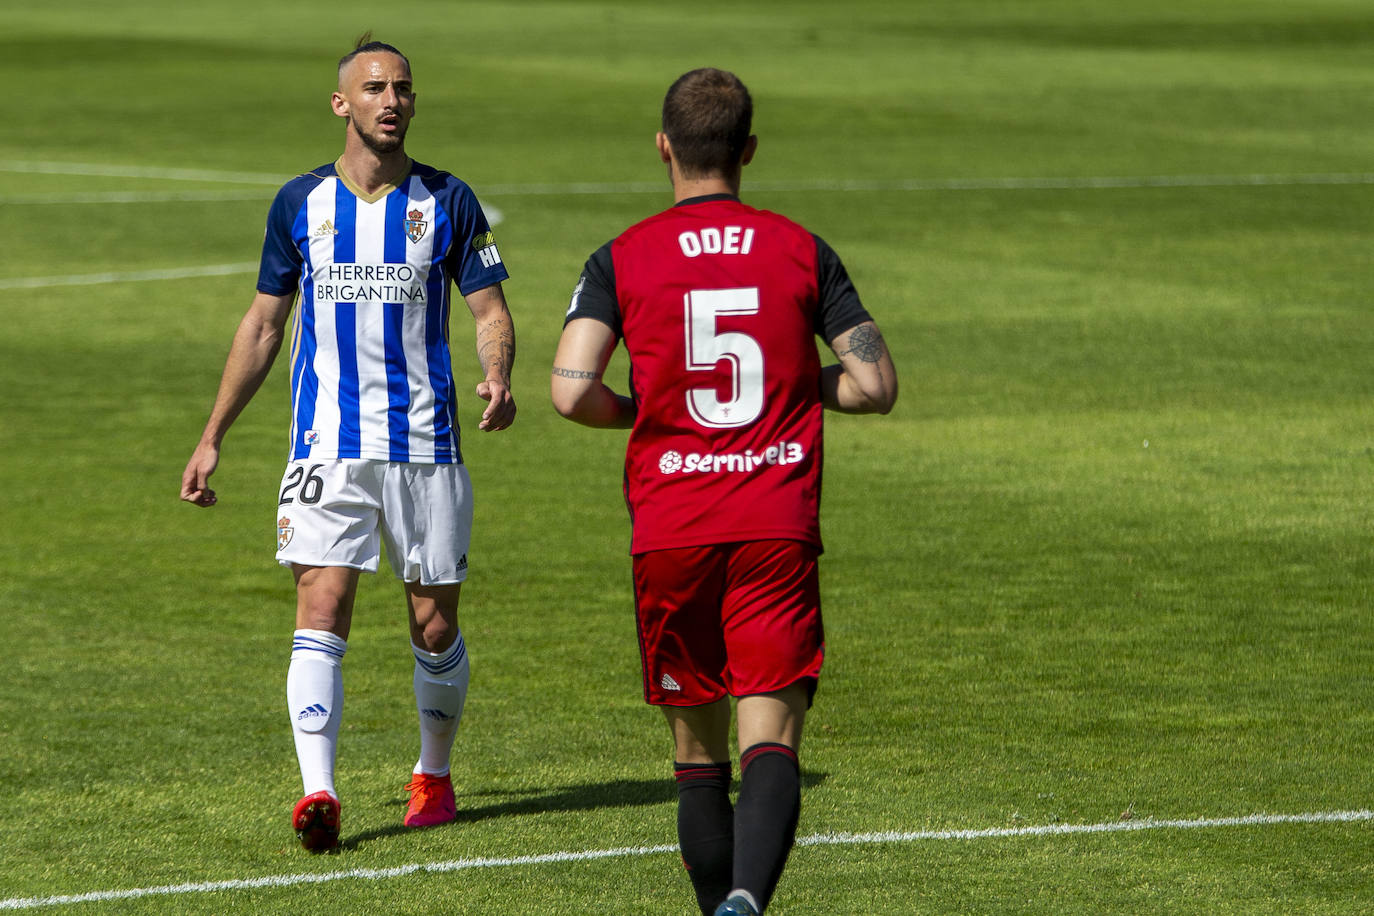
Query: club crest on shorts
[
  {"x": 416, "y": 226},
  {"x": 284, "y": 532}
]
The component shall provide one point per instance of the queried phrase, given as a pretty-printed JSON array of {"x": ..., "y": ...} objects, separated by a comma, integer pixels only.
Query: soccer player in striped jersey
[
  {"x": 366, "y": 249},
  {"x": 719, "y": 305}
]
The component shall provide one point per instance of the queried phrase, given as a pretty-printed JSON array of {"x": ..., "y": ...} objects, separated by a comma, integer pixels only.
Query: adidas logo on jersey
[
  {"x": 667, "y": 683},
  {"x": 326, "y": 228}
]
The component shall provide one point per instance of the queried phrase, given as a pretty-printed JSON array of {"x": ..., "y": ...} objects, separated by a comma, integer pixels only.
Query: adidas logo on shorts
[{"x": 667, "y": 683}]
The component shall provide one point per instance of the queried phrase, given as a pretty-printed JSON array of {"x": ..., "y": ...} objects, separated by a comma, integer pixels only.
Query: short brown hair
[
  {"x": 365, "y": 45},
  {"x": 707, "y": 115}
]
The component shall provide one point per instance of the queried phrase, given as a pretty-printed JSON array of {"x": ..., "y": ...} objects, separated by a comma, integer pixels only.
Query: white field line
[
  {"x": 841, "y": 839},
  {"x": 512, "y": 190},
  {"x": 1071, "y": 183},
  {"x": 1251, "y": 820},
  {"x": 100, "y": 170},
  {"x": 959, "y": 184},
  {"x": 129, "y": 276},
  {"x": 659, "y": 187},
  {"x": 494, "y": 216},
  {"x": 61, "y": 199}
]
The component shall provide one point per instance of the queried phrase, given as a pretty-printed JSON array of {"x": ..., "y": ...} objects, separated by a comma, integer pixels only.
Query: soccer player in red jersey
[{"x": 718, "y": 305}]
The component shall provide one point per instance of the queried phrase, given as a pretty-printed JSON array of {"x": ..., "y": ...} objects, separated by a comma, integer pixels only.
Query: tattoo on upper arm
[
  {"x": 575, "y": 373},
  {"x": 866, "y": 343}
]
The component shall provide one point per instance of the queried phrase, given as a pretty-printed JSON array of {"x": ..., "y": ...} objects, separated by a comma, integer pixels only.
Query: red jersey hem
[{"x": 731, "y": 537}]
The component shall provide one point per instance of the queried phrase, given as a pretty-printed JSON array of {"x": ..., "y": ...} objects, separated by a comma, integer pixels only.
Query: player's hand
[
  {"x": 500, "y": 412},
  {"x": 195, "y": 480}
]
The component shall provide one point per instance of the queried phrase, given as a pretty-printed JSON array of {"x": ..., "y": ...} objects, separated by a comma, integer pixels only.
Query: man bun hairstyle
[
  {"x": 365, "y": 45},
  {"x": 707, "y": 115}
]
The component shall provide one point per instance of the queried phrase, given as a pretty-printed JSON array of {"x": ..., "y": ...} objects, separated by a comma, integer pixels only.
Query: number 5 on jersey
[{"x": 705, "y": 348}]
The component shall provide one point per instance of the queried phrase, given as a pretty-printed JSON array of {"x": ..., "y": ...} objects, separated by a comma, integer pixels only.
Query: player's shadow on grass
[{"x": 618, "y": 793}]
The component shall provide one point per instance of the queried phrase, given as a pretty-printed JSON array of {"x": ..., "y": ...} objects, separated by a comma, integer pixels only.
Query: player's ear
[
  {"x": 750, "y": 147},
  {"x": 339, "y": 104},
  {"x": 665, "y": 149}
]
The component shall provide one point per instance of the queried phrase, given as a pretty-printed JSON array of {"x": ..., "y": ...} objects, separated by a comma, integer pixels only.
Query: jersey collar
[
  {"x": 383, "y": 191},
  {"x": 705, "y": 198}
]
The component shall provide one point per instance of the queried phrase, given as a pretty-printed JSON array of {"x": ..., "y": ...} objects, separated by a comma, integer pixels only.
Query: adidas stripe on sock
[
  {"x": 441, "y": 688},
  {"x": 314, "y": 696}
]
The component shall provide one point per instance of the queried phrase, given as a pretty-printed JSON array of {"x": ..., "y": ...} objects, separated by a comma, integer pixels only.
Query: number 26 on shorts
[{"x": 305, "y": 486}]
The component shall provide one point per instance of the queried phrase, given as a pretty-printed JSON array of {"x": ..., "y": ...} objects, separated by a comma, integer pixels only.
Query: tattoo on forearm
[
  {"x": 575, "y": 373},
  {"x": 866, "y": 343},
  {"x": 496, "y": 347}
]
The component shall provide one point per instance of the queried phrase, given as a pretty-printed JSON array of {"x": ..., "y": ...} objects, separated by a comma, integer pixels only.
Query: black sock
[
  {"x": 706, "y": 829},
  {"x": 765, "y": 817}
]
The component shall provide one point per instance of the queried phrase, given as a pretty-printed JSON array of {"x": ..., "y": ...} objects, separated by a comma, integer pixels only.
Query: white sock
[
  {"x": 441, "y": 686},
  {"x": 314, "y": 697}
]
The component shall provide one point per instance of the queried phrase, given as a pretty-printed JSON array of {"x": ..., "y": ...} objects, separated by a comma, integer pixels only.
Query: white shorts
[{"x": 335, "y": 513}]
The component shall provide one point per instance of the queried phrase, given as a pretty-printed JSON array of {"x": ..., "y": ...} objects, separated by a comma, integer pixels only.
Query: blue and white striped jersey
[{"x": 371, "y": 372}]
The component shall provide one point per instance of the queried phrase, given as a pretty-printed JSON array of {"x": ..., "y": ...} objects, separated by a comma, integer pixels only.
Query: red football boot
[
  {"x": 316, "y": 821},
  {"x": 431, "y": 800}
]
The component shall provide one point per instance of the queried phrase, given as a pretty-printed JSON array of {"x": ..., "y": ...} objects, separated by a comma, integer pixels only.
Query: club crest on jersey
[
  {"x": 284, "y": 532},
  {"x": 416, "y": 226}
]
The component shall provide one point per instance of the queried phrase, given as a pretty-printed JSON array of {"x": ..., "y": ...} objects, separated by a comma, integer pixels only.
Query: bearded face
[{"x": 376, "y": 96}]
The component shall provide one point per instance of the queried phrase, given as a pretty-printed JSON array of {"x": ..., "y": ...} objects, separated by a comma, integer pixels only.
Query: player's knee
[{"x": 435, "y": 635}]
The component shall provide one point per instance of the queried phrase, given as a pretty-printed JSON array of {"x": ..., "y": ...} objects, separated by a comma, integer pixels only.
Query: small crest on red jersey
[{"x": 416, "y": 225}]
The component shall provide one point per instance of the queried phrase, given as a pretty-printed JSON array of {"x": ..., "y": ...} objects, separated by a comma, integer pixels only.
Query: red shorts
[{"x": 736, "y": 619}]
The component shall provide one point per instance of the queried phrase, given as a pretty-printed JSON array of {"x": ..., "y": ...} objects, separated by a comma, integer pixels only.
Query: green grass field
[{"x": 1107, "y": 565}]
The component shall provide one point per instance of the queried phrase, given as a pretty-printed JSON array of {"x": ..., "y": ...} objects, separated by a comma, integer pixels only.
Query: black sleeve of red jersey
[
  {"x": 839, "y": 309},
  {"x": 594, "y": 296}
]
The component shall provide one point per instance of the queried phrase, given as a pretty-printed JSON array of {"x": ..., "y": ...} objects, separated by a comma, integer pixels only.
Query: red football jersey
[{"x": 718, "y": 307}]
